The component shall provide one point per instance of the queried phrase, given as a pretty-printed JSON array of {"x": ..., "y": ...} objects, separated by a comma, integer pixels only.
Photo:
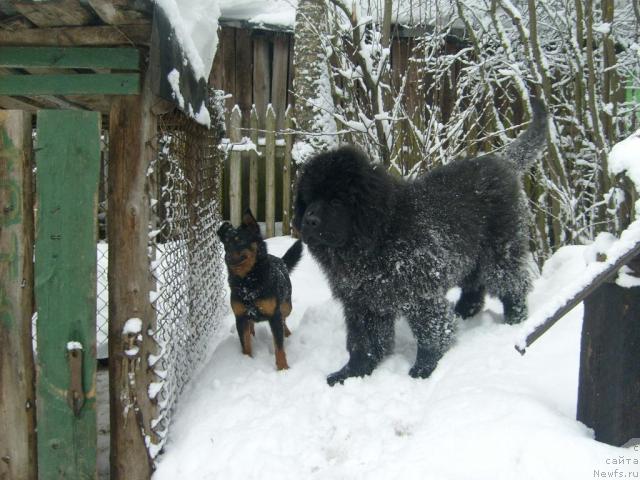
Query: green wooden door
[{"x": 68, "y": 163}]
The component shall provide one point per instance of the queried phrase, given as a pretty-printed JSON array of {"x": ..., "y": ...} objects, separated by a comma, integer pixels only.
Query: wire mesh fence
[{"x": 185, "y": 255}]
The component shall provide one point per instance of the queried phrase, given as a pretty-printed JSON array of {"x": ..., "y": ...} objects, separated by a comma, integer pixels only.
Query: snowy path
[{"x": 485, "y": 413}]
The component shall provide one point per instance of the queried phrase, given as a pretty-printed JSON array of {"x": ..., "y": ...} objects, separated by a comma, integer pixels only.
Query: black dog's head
[
  {"x": 242, "y": 245},
  {"x": 341, "y": 198}
]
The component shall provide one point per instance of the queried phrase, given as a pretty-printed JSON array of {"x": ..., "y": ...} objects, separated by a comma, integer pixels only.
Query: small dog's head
[{"x": 242, "y": 245}]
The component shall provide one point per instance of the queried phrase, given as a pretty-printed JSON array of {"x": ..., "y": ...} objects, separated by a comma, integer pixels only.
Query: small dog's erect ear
[
  {"x": 223, "y": 230},
  {"x": 249, "y": 221}
]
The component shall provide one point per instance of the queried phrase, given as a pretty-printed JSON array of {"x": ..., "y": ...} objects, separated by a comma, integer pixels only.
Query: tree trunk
[{"x": 313, "y": 110}]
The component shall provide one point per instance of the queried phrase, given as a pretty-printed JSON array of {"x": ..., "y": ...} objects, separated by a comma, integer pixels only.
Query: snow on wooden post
[
  {"x": 270, "y": 169},
  {"x": 133, "y": 130},
  {"x": 17, "y": 413},
  {"x": 253, "y": 163},
  {"x": 286, "y": 172},
  {"x": 609, "y": 387},
  {"x": 235, "y": 168}
]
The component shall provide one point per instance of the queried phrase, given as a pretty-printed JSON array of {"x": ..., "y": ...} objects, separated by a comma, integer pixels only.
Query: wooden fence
[{"x": 258, "y": 171}]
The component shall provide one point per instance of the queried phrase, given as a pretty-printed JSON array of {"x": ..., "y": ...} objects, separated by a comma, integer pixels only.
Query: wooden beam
[
  {"x": 68, "y": 161},
  {"x": 122, "y": 12},
  {"x": 10, "y": 103},
  {"x": 48, "y": 13},
  {"x": 17, "y": 390},
  {"x": 132, "y": 141},
  {"x": 582, "y": 293},
  {"x": 81, "y": 84},
  {"x": 78, "y": 36},
  {"x": 123, "y": 58}
]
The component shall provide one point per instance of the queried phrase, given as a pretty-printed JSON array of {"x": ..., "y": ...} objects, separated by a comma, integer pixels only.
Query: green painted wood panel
[
  {"x": 68, "y": 164},
  {"x": 81, "y": 84},
  {"x": 70, "y": 57}
]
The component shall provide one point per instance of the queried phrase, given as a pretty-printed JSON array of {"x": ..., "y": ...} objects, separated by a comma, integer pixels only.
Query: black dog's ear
[
  {"x": 223, "y": 231},
  {"x": 249, "y": 221}
]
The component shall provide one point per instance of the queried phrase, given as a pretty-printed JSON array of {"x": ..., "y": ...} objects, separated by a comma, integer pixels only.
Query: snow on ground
[{"x": 485, "y": 413}]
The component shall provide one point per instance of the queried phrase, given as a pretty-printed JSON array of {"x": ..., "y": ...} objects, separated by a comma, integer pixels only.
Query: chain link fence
[{"x": 185, "y": 256}]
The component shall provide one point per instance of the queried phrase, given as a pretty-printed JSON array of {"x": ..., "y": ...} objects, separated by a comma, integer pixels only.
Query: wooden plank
[
  {"x": 216, "y": 77},
  {"x": 132, "y": 145},
  {"x": 290, "y": 97},
  {"x": 270, "y": 174},
  {"x": 235, "y": 169},
  {"x": 261, "y": 76},
  {"x": 253, "y": 165},
  {"x": 227, "y": 38},
  {"x": 68, "y": 161},
  {"x": 609, "y": 387},
  {"x": 55, "y": 13},
  {"x": 581, "y": 293},
  {"x": 78, "y": 36},
  {"x": 286, "y": 173},
  {"x": 280, "y": 75},
  {"x": 122, "y": 12},
  {"x": 17, "y": 389},
  {"x": 244, "y": 67},
  {"x": 85, "y": 84},
  {"x": 123, "y": 58}
]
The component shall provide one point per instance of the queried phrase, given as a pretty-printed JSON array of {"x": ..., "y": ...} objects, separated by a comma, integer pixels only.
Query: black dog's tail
[
  {"x": 292, "y": 256},
  {"x": 524, "y": 150}
]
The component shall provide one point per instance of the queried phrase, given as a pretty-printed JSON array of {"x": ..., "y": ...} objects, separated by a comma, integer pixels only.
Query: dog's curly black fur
[{"x": 391, "y": 247}]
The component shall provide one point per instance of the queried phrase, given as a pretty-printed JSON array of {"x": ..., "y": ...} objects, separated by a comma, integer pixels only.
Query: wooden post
[
  {"x": 270, "y": 185},
  {"x": 253, "y": 164},
  {"x": 17, "y": 407},
  {"x": 286, "y": 173},
  {"x": 235, "y": 169},
  {"x": 68, "y": 161},
  {"x": 133, "y": 134},
  {"x": 609, "y": 388}
]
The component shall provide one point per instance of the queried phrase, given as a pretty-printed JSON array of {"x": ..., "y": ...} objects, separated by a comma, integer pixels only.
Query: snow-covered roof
[
  {"x": 193, "y": 26},
  {"x": 266, "y": 13},
  {"x": 282, "y": 13}
]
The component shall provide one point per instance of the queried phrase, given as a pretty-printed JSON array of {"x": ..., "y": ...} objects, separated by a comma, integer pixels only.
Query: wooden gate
[{"x": 63, "y": 274}]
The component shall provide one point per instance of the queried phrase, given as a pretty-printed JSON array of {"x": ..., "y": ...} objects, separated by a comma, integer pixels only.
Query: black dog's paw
[
  {"x": 338, "y": 377},
  {"x": 351, "y": 369},
  {"x": 423, "y": 370}
]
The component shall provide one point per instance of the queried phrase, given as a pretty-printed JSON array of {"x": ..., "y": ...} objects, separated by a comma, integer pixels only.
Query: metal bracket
[{"x": 75, "y": 394}]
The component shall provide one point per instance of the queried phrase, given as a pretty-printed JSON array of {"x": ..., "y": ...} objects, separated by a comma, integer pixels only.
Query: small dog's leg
[
  {"x": 244, "y": 326},
  {"x": 432, "y": 324},
  {"x": 285, "y": 310},
  {"x": 277, "y": 330}
]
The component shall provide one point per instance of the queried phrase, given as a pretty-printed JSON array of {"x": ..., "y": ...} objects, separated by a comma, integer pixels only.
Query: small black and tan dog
[{"x": 260, "y": 284}]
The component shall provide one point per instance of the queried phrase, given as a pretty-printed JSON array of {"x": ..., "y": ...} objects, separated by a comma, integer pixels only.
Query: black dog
[
  {"x": 391, "y": 247},
  {"x": 260, "y": 284}
]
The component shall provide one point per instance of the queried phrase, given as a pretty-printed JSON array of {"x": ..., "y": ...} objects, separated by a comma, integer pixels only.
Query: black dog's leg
[
  {"x": 367, "y": 342},
  {"x": 513, "y": 294},
  {"x": 432, "y": 324},
  {"x": 515, "y": 306},
  {"x": 471, "y": 301}
]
